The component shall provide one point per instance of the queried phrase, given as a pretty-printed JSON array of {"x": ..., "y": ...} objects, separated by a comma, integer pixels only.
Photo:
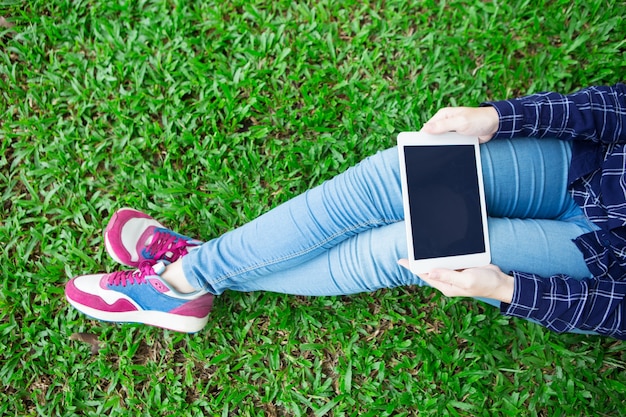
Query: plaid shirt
[{"x": 595, "y": 119}]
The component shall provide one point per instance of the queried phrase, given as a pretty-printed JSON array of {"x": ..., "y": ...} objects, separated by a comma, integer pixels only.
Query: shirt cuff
[
  {"x": 510, "y": 114},
  {"x": 526, "y": 291}
]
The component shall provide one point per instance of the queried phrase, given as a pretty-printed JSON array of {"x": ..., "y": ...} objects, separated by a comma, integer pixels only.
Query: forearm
[
  {"x": 562, "y": 303},
  {"x": 597, "y": 114}
]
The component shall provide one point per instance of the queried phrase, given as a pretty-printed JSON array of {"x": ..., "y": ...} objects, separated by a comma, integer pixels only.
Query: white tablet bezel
[{"x": 457, "y": 262}]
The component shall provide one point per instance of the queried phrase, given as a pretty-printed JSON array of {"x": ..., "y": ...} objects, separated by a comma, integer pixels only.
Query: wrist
[
  {"x": 505, "y": 289},
  {"x": 491, "y": 122}
]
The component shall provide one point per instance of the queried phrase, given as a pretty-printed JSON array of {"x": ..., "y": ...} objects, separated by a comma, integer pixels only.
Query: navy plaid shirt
[{"x": 595, "y": 119}]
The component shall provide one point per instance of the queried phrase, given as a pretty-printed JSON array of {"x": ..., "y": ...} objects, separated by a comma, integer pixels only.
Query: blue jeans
[{"x": 346, "y": 235}]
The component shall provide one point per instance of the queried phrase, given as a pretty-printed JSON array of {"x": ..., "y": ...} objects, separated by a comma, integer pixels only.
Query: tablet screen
[{"x": 444, "y": 200}]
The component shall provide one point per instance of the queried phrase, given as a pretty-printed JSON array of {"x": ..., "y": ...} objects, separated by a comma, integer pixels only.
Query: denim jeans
[{"x": 346, "y": 235}]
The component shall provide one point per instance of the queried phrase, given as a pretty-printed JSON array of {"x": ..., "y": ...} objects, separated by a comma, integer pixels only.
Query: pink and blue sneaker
[
  {"x": 141, "y": 295},
  {"x": 132, "y": 237}
]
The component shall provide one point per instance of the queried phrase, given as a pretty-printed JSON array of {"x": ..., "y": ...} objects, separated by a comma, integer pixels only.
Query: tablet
[{"x": 444, "y": 201}]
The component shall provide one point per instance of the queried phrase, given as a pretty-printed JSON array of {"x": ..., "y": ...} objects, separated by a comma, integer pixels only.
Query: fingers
[
  {"x": 445, "y": 120},
  {"x": 443, "y": 280},
  {"x": 446, "y": 281},
  {"x": 488, "y": 281},
  {"x": 404, "y": 263},
  {"x": 472, "y": 121},
  {"x": 444, "y": 276}
]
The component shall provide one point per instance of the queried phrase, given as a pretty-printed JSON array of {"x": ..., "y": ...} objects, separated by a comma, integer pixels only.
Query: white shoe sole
[{"x": 184, "y": 324}]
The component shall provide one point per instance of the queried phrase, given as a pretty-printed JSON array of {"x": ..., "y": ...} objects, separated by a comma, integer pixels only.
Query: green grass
[{"x": 206, "y": 115}]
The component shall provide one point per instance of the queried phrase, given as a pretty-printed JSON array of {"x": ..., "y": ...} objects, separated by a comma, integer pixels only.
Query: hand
[
  {"x": 471, "y": 121},
  {"x": 487, "y": 281}
]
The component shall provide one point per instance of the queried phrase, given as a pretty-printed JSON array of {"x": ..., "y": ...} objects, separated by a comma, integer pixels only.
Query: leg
[
  {"x": 362, "y": 263},
  {"x": 527, "y": 178},
  {"x": 365, "y": 196},
  {"x": 368, "y": 261}
]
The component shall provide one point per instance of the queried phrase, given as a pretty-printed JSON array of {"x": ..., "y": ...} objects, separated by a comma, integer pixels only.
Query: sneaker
[
  {"x": 133, "y": 237},
  {"x": 139, "y": 296}
]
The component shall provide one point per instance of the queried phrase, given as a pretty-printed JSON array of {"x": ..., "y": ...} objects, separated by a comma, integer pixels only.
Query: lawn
[{"x": 207, "y": 114}]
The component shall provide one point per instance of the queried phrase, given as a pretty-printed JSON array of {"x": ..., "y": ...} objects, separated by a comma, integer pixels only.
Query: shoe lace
[
  {"x": 167, "y": 246},
  {"x": 131, "y": 277}
]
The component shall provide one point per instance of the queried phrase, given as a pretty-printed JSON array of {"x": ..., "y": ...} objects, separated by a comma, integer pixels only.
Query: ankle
[{"x": 175, "y": 277}]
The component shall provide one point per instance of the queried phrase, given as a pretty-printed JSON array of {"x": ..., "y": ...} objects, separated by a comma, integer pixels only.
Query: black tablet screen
[{"x": 444, "y": 201}]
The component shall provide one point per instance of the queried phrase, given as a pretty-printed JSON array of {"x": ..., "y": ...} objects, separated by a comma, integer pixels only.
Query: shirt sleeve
[
  {"x": 597, "y": 114},
  {"x": 563, "y": 304}
]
